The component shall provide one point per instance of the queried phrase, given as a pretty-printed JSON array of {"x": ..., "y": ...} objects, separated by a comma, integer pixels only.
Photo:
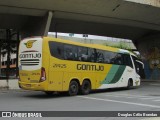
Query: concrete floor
[{"x": 144, "y": 98}]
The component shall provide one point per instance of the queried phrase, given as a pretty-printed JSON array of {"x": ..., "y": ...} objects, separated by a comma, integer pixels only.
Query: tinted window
[
  {"x": 79, "y": 53},
  {"x": 108, "y": 57},
  {"x": 127, "y": 60},
  {"x": 93, "y": 55},
  {"x": 137, "y": 67},
  {"x": 56, "y": 49},
  {"x": 118, "y": 59},
  {"x": 70, "y": 52},
  {"x": 83, "y": 54},
  {"x": 113, "y": 58},
  {"x": 100, "y": 56}
]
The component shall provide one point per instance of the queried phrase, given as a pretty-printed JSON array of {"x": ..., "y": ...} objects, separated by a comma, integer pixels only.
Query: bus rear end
[{"x": 32, "y": 74}]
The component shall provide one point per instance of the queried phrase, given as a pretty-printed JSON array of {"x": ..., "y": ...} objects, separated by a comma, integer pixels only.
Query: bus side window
[
  {"x": 100, "y": 56},
  {"x": 118, "y": 59},
  {"x": 112, "y": 57},
  {"x": 107, "y": 57},
  {"x": 127, "y": 60},
  {"x": 83, "y": 54},
  {"x": 70, "y": 52},
  {"x": 93, "y": 55},
  {"x": 56, "y": 49}
]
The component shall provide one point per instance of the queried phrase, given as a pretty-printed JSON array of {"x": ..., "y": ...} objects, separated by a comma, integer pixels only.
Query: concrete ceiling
[{"x": 116, "y": 18}]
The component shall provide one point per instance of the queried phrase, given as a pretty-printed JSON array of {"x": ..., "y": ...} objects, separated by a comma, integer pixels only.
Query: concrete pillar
[
  {"x": 48, "y": 23},
  {"x": 37, "y": 26},
  {"x": 149, "y": 48}
]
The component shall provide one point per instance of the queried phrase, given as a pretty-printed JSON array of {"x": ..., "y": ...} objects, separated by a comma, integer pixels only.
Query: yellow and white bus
[{"x": 50, "y": 64}]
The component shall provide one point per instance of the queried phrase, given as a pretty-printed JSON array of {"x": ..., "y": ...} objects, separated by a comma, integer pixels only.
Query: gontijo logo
[{"x": 29, "y": 44}]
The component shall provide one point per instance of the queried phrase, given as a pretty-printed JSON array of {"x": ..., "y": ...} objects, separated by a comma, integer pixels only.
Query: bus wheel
[
  {"x": 73, "y": 88},
  {"x": 49, "y": 93},
  {"x": 130, "y": 83},
  {"x": 86, "y": 87}
]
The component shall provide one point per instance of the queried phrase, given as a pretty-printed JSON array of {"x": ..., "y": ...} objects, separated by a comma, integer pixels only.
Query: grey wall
[{"x": 149, "y": 48}]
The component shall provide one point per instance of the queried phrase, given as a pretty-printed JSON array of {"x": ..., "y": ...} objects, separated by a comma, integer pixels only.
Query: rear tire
[
  {"x": 86, "y": 87},
  {"x": 73, "y": 88}
]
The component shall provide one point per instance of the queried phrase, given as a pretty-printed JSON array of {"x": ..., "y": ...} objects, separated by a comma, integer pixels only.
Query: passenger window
[
  {"x": 107, "y": 57},
  {"x": 127, "y": 60},
  {"x": 93, "y": 55},
  {"x": 100, "y": 56},
  {"x": 83, "y": 54},
  {"x": 118, "y": 59},
  {"x": 70, "y": 52},
  {"x": 110, "y": 56},
  {"x": 79, "y": 53},
  {"x": 56, "y": 49}
]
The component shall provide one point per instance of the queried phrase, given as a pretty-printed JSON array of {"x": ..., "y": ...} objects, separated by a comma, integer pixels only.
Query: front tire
[
  {"x": 73, "y": 88},
  {"x": 130, "y": 84}
]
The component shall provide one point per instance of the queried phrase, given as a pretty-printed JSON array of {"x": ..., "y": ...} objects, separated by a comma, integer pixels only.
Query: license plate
[{"x": 28, "y": 85}]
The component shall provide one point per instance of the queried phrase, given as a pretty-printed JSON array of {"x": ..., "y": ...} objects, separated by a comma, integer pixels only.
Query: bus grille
[{"x": 29, "y": 62}]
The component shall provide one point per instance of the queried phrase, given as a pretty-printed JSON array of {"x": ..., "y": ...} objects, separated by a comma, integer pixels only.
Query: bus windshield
[{"x": 138, "y": 65}]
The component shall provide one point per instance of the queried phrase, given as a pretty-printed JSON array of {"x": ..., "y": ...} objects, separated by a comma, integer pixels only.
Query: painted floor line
[
  {"x": 119, "y": 96},
  {"x": 116, "y": 101},
  {"x": 130, "y": 95},
  {"x": 156, "y": 100},
  {"x": 138, "y": 97},
  {"x": 134, "y": 96},
  {"x": 155, "y": 84},
  {"x": 147, "y": 98}
]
